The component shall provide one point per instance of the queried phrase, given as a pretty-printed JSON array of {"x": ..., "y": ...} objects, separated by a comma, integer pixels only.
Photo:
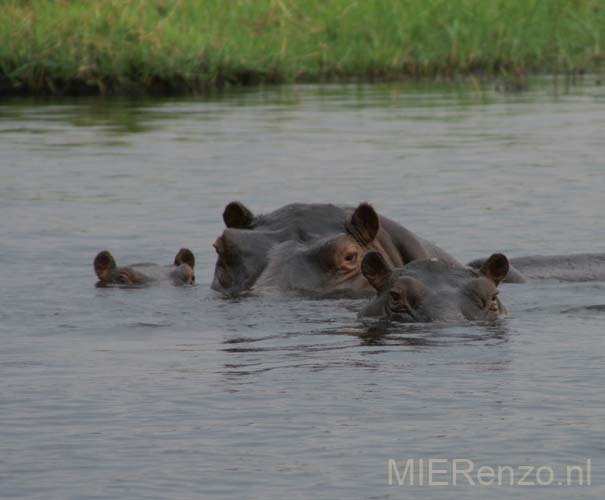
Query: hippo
[
  {"x": 429, "y": 290},
  {"x": 136, "y": 275},
  {"x": 315, "y": 248},
  {"x": 575, "y": 267}
]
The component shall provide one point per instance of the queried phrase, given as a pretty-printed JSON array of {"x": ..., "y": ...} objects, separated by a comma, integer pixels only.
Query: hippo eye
[
  {"x": 395, "y": 297},
  {"x": 123, "y": 279},
  {"x": 484, "y": 303},
  {"x": 351, "y": 257}
]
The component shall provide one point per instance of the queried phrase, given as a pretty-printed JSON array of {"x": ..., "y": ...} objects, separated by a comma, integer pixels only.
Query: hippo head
[
  {"x": 109, "y": 273},
  {"x": 315, "y": 248},
  {"x": 432, "y": 290}
]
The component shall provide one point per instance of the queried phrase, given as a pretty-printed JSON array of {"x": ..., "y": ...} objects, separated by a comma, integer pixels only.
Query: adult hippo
[
  {"x": 573, "y": 267},
  {"x": 314, "y": 248},
  {"x": 434, "y": 290},
  {"x": 179, "y": 273}
]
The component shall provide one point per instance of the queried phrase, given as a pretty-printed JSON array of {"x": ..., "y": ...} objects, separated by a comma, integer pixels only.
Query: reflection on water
[{"x": 178, "y": 393}]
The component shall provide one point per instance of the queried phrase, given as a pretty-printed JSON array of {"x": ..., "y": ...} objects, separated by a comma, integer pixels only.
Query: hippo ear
[
  {"x": 104, "y": 263},
  {"x": 184, "y": 256},
  {"x": 364, "y": 224},
  {"x": 495, "y": 268},
  {"x": 238, "y": 216},
  {"x": 376, "y": 270}
]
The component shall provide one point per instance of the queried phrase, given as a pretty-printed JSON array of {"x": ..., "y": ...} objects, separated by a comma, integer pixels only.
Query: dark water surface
[{"x": 178, "y": 393}]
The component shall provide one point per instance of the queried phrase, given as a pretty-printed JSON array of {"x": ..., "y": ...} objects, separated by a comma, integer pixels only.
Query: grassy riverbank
[{"x": 165, "y": 46}]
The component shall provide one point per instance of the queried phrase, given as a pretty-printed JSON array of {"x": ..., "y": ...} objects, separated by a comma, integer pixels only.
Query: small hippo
[
  {"x": 314, "y": 247},
  {"x": 179, "y": 273},
  {"x": 573, "y": 267},
  {"x": 433, "y": 290}
]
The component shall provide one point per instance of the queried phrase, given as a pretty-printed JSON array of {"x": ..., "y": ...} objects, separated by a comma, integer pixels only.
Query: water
[{"x": 177, "y": 393}]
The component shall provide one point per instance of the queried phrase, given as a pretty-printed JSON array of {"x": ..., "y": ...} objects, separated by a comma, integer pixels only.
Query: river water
[{"x": 178, "y": 393}]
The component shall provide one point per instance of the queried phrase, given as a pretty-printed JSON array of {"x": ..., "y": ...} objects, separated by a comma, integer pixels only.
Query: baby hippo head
[
  {"x": 181, "y": 272},
  {"x": 432, "y": 290}
]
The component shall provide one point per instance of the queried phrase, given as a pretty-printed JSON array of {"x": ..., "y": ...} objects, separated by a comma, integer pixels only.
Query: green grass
[{"x": 164, "y": 46}]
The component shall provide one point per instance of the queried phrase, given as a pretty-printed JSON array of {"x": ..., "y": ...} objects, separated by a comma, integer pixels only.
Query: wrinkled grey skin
[
  {"x": 181, "y": 272},
  {"x": 574, "y": 267},
  {"x": 315, "y": 248},
  {"x": 433, "y": 290}
]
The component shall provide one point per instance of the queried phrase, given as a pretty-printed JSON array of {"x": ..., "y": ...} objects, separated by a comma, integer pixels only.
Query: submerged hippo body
[
  {"x": 573, "y": 267},
  {"x": 314, "y": 248},
  {"x": 181, "y": 272},
  {"x": 434, "y": 290}
]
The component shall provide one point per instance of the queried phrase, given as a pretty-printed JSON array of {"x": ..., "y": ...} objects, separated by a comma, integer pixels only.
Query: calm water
[{"x": 178, "y": 393}]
